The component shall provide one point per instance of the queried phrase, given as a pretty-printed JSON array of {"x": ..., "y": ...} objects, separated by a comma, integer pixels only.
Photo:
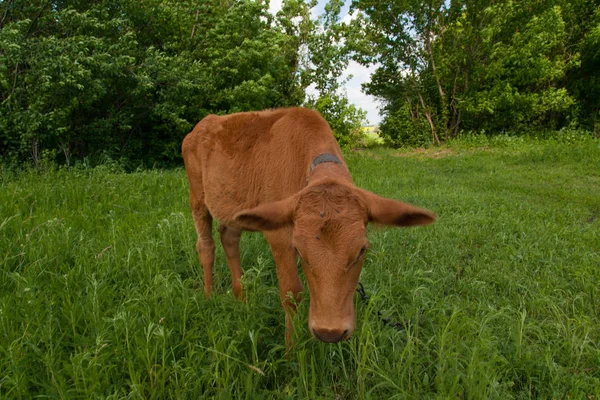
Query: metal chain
[{"x": 386, "y": 321}]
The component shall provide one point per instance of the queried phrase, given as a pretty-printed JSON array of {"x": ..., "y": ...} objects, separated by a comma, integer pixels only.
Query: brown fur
[{"x": 249, "y": 171}]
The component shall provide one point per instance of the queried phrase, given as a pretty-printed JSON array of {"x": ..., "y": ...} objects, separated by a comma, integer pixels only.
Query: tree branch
[
  {"x": 35, "y": 19},
  {"x": 5, "y": 13},
  {"x": 434, "y": 137},
  {"x": 195, "y": 23}
]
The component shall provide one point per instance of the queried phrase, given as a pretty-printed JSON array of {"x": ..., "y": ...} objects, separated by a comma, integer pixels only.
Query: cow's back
[{"x": 249, "y": 158}]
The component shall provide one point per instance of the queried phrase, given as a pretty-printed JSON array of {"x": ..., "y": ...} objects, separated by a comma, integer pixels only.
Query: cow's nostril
[{"x": 330, "y": 335}]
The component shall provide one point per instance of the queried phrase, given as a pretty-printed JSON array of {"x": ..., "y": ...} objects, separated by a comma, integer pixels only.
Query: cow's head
[{"x": 329, "y": 236}]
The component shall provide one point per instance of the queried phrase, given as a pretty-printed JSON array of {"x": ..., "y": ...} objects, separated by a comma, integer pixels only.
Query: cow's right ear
[
  {"x": 391, "y": 212},
  {"x": 268, "y": 216}
]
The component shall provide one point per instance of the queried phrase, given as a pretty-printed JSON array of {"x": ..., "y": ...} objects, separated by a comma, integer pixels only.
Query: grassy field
[
  {"x": 100, "y": 287},
  {"x": 371, "y": 136}
]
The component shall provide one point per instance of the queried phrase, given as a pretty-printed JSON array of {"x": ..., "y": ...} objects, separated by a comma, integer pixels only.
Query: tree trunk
[
  {"x": 35, "y": 152},
  {"x": 443, "y": 100},
  {"x": 434, "y": 136},
  {"x": 596, "y": 130}
]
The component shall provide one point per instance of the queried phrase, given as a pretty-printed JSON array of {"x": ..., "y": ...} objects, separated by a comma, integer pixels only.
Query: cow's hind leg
[
  {"x": 206, "y": 243},
  {"x": 230, "y": 239},
  {"x": 202, "y": 217}
]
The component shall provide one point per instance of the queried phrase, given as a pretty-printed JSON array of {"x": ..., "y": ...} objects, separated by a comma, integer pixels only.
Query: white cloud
[
  {"x": 346, "y": 19},
  {"x": 315, "y": 13},
  {"x": 361, "y": 74},
  {"x": 275, "y": 6},
  {"x": 311, "y": 91}
]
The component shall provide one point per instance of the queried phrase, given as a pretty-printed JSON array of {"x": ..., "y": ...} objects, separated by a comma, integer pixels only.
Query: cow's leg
[
  {"x": 290, "y": 286},
  {"x": 206, "y": 243},
  {"x": 230, "y": 239}
]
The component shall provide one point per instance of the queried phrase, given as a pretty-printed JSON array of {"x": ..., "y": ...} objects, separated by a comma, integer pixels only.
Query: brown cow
[{"x": 282, "y": 172}]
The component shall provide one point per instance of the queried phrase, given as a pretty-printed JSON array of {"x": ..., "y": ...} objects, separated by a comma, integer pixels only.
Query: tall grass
[{"x": 100, "y": 287}]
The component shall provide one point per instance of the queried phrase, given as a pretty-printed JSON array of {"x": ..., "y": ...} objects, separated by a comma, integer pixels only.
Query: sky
[{"x": 360, "y": 74}]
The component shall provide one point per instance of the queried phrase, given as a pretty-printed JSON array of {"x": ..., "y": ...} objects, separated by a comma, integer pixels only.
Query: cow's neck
[{"x": 327, "y": 166}]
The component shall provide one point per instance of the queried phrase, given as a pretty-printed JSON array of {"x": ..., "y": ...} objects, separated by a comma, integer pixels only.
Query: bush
[
  {"x": 344, "y": 118},
  {"x": 400, "y": 129}
]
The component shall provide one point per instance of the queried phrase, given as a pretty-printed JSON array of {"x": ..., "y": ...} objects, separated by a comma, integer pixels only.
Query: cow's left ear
[
  {"x": 391, "y": 212},
  {"x": 268, "y": 216}
]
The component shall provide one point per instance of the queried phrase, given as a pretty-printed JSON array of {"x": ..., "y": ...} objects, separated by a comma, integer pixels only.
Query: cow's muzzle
[{"x": 331, "y": 335}]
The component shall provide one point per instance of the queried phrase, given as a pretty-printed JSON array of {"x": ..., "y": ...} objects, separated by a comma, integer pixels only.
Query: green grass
[
  {"x": 100, "y": 287},
  {"x": 370, "y": 137}
]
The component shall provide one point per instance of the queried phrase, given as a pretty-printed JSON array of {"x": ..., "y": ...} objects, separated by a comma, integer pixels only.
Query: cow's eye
[
  {"x": 360, "y": 254},
  {"x": 362, "y": 251}
]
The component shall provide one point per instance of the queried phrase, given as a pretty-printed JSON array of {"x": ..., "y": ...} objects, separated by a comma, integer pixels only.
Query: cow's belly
[
  {"x": 224, "y": 203},
  {"x": 229, "y": 189}
]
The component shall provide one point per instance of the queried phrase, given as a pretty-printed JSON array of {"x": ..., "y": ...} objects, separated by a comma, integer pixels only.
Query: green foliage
[
  {"x": 100, "y": 286},
  {"x": 404, "y": 128},
  {"x": 344, "y": 118},
  {"x": 330, "y": 57},
  {"x": 584, "y": 82},
  {"x": 517, "y": 86},
  {"x": 128, "y": 79},
  {"x": 480, "y": 66}
]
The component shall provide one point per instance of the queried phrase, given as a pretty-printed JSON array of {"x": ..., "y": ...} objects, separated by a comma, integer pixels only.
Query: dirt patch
[
  {"x": 423, "y": 152},
  {"x": 367, "y": 152}
]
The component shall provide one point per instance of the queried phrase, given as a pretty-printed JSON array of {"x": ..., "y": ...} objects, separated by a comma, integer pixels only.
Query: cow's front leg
[{"x": 290, "y": 286}]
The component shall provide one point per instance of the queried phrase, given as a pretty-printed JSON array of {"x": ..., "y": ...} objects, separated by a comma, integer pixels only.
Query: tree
[
  {"x": 128, "y": 79},
  {"x": 467, "y": 64},
  {"x": 583, "y": 21},
  {"x": 328, "y": 57}
]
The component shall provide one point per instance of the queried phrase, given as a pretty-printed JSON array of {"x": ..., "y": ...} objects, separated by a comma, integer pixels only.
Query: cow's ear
[
  {"x": 391, "y": 212},
  {"x": 268, "y": 216}
]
